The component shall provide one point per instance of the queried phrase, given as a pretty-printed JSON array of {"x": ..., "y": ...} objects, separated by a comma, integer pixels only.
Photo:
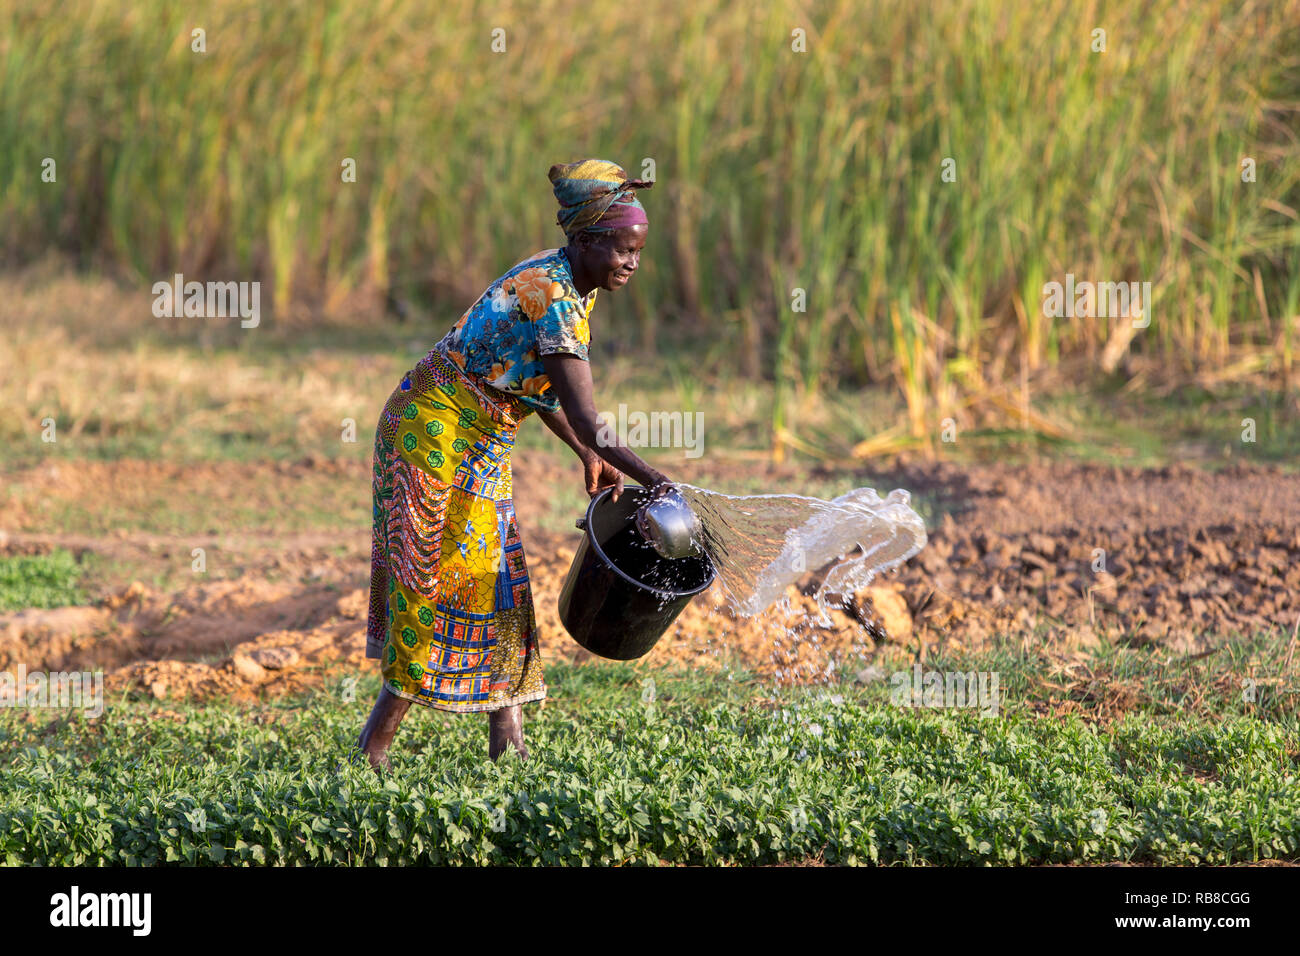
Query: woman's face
[{"x": 611, "y": 258}]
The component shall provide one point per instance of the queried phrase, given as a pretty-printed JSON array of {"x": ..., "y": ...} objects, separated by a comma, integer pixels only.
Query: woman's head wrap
[{"x": 596, "y": 195}]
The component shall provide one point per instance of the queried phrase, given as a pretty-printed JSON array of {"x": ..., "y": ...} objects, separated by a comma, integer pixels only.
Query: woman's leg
[
  {"x": 378, "y": 733},
  {"x": 506, "y": 725}
]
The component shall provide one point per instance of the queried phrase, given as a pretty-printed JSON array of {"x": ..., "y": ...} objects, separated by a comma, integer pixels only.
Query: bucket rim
[{"x": 591, "y": 507}]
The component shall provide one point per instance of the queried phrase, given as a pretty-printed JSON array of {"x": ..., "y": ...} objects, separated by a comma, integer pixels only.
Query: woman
[{"x": 451, "y": 613}]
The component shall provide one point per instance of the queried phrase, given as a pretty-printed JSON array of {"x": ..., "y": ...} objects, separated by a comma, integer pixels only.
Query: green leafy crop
[{"x": 692, "y": 778}]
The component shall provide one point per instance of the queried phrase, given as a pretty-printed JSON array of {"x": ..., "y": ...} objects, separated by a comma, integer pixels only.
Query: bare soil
[{"x": 1059, "y": 553}]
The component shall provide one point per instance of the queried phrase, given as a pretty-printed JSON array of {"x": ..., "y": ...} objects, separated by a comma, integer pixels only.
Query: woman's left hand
[{"x": 601, "y": 474}]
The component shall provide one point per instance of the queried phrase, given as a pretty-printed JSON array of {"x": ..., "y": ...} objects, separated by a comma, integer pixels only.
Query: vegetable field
[{"x": 835, "y": 775}]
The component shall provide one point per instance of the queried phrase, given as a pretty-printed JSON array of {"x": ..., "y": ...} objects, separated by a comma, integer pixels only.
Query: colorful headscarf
[{"x": 596, "y": 195}]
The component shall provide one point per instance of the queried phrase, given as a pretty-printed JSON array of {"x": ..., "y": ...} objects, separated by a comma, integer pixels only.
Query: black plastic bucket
[{"x": 620, "y": 595}]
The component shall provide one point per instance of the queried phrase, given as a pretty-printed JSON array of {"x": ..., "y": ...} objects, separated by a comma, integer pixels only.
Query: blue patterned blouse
[{"x": 531, "y": 311}]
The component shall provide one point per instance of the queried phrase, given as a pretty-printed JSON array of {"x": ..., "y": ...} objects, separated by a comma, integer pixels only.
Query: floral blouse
[{"x": 531, "y": 311}]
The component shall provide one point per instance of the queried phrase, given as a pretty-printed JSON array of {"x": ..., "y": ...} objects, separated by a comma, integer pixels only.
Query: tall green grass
[{"x": 776, "y": 169}]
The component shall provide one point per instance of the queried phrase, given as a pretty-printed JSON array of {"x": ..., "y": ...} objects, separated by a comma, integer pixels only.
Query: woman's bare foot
[
  {"x": 506, "y": 726},
  {"x": 378, "y": 733}
]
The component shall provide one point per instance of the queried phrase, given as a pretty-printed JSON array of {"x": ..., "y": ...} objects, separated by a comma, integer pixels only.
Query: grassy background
[
  {"x": 43, "y": 580},
  {"x": 122, "y": 386},
  {"x": 775, "y": 170}
]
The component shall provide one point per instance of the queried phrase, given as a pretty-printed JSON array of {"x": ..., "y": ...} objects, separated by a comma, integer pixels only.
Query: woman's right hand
[
  {"x": 600, "y": 474},
  {"x": 657, "y": 483}
]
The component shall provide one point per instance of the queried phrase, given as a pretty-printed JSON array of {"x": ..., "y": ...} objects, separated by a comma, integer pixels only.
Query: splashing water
[{"x": 762, "y": 544}]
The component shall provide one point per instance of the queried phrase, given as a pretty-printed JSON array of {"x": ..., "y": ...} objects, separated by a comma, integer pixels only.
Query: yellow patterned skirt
[{"x": 451, "y": 613}]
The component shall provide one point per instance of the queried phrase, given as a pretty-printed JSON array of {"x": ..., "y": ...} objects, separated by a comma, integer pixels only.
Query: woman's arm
[
  {"x": 598, "y": 473},
  {"x": 558, "y": 423},
  {"x": 570, "y": 376}
]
